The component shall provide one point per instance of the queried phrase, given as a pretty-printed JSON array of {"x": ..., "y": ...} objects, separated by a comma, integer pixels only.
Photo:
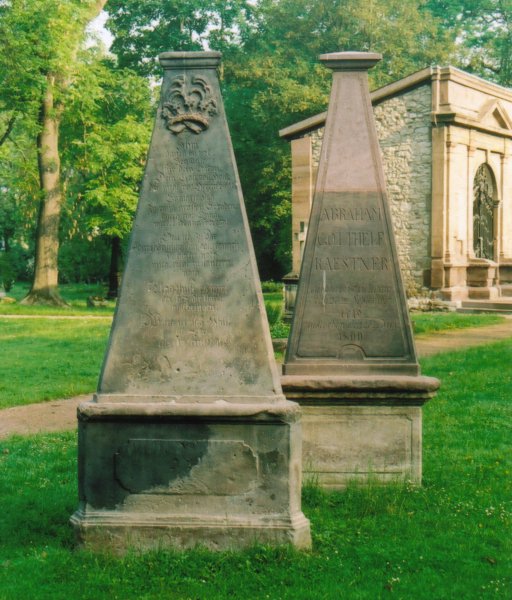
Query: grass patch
[
  {"x": 43, "y": 359},
  {"x": 75, "y": 294},
  {"x": 441, "y": 321},
  {"x": 452, "y": 538}
]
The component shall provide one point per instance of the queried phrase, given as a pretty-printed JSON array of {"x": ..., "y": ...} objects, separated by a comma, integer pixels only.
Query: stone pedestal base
[
  {"x": 167, "y": 475},
  {"x": 505, "y": 277},
  {"x": 458, "y": 294},
  {"x": 291, "y": 282},
  {"x": 482, "y": 280},
  {"x": 360, "y": 429}
]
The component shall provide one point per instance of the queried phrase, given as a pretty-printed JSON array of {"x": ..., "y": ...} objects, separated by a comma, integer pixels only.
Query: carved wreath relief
[{"x": 188, "y": 105}]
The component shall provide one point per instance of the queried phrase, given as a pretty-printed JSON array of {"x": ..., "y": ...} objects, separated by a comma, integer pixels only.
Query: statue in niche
[{"x": 484, "y": 203}]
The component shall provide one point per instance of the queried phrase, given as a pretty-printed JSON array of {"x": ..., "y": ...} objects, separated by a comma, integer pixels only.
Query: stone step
[
  {"x": 478, "y": 311},
  {"x": 487, "y": 306}
]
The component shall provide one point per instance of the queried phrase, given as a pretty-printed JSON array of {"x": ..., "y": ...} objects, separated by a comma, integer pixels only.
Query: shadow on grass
[{"x": 451, "y": 538}]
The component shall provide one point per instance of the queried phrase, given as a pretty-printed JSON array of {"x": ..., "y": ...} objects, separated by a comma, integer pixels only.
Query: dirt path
[
  {"x": 457, "y": 339},
  {"x": 59, "y": 415},
  {"x": 54, "y": 415}
]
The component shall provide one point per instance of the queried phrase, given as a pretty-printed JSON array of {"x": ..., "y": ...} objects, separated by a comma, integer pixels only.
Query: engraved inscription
[
  {"x": 189, "y": 293},
  {"x": 356, "y": 263},
  {"x": 351, "y": 295}
]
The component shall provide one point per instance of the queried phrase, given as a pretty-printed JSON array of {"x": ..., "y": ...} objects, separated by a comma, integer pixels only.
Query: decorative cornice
[{"x": 425, "y": 76}]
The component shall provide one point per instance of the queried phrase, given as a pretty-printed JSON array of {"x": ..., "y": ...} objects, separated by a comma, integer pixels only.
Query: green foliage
[
  {"x": 7, "y": 271},
  {"x": 274, "y": 79},
  {"x": 105, "y": 133},
  {"x": 144, "y": 28},
  {"x": 274, "y": 313},
  {"x": 19, "y": 197},
  {"x": 271, "y": 76},
  {"x": 83, "y": 259},
  {"x": 105, "y": 136},
  {"x": 272, "y": 286},
  {"x": 280, "y": 330},
  {"x": 449, "y": 539},
  {"x": 482, "y": 32}
]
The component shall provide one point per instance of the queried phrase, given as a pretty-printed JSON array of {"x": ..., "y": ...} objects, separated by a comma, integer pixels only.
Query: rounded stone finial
[
  {"x": 350, "y": 61},
  {"x": 190, "y": 60}
]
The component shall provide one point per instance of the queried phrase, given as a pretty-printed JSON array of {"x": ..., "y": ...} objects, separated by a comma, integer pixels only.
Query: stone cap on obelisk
[
  {"x": 351, "y": 315},
  {"x": 190, "y": 60},
  {"x": 350, "y": 61}
]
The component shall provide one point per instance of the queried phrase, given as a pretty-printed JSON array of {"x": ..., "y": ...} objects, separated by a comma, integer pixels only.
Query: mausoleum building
[{"x": 446, "y": 142}]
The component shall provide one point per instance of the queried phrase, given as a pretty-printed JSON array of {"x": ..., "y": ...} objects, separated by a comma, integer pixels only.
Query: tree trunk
[
  {"x": 44, "y": 287},
  {"x": 114, "y": 273}
]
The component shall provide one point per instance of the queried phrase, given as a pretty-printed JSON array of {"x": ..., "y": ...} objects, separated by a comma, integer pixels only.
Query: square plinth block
[
  {"x": 358, "y": 444},
  {"x": 361, "y": 429},
  {"x": 176, "y": 477}
]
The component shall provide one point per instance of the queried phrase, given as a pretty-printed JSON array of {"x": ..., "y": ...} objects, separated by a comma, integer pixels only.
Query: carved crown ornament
[{"x": 188, "y": 105}]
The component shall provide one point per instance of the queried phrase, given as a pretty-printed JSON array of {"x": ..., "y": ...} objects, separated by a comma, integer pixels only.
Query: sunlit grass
[
  {"x": 443, "y": 321},
  {"x": 43, "y": 359},
  {"x": 451, "y": 538},
  {"x": 74, "y": 294}
]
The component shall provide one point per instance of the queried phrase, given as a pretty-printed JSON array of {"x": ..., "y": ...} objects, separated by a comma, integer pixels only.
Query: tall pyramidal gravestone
[
  {"x": 189, "y": 439},
  {"x": 351, "y": 361}
]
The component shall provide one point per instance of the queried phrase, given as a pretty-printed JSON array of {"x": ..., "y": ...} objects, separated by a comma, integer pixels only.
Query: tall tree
[
  {"x": 40, "y": 41},
  {"x": 274, "y": 79},
  {"x": 482, "y": 32},
  {"x": 144, "y": 28},
  {"x": 106, "y": 133},
  {"x": 271, "y": 74}
]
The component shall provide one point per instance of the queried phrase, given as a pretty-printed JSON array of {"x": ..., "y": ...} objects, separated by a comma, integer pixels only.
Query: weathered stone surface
[
  {"x": 403, "y": 129},
  {"x": 357, "y": 444},
  {"x": 351, "y": 314},
  {"x": 189, "y": 439},
  {"x": 351, "y": 361},
  {"x": 190, "y": 311},
  {"x": 360, "y": 429},
  {"x": 416, "y": 389},
  {"x": 230, "y": 483}
]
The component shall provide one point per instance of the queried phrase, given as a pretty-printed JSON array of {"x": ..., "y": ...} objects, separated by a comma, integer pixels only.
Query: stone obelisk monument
[
  {"x": 351, "y": 361},
  {"x": 189, "y": 439}
]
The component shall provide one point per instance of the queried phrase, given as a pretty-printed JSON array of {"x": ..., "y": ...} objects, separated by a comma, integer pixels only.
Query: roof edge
[
  {"x": 386, "y": 91},
  {"x": 409, "y": 82}
]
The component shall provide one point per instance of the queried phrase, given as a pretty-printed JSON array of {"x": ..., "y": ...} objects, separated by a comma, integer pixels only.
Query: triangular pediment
[{"x": 493, "y": 114}]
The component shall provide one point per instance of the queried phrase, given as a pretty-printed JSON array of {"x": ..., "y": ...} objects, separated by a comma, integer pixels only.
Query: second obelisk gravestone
[
  {"x": 189, "y": 439},
  {"x": 351, "y": 360}
]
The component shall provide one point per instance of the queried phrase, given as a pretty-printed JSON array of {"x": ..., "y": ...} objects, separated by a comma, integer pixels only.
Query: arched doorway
[{"x": 484, "y": 202}]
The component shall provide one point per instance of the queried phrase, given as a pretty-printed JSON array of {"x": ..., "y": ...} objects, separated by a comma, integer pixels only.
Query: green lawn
[
  {"x": 442, "y": 321},
  {"x": 43, "y": 359},
  {"x": 74, "y": 294},
  {"x": 450, "y": 539}
]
